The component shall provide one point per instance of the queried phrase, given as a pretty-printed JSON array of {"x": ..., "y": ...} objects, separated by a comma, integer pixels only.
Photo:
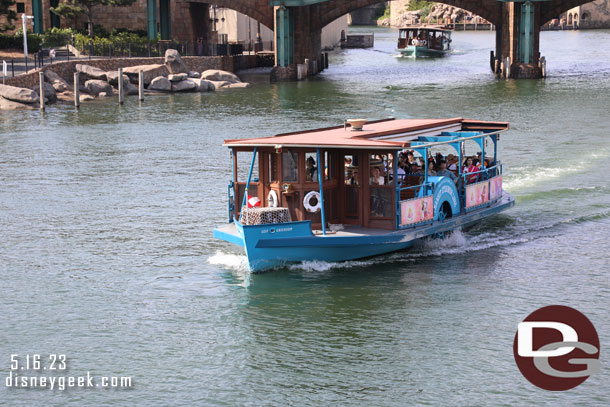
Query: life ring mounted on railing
[
  {"x": 312, "y": 196},
  {"x": 272, "y": 200}
]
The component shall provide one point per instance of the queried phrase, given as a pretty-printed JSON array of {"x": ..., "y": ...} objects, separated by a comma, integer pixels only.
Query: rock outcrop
[
  {"x": 97, "y": 86},
  {"x": 19, "y": 95},
  {"x": 49, "y": 92},
  {"x": 150, "y": 72},
  {"x": 58, "y": 83},
  {"x": 174, "y": 63},
  {"x": 160, "y": 83},
  {"x": 218, "y": 75},
  {"x": 6, "y": 104},
  {"x": 186, "y": 85},
  {"x": 91, "y": 72}
]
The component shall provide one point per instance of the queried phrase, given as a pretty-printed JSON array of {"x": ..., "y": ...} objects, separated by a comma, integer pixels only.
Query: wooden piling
[
  {"x": 121, "y": 95},
  {"x": 543, "y": 67},
  {"x": 491, "y": 60},
  {"x": 76, "y": 91},
  {"x": 497, "y": 66},
  {"x": 141, "y": 85},
  {"x": 41, "y": 79}
]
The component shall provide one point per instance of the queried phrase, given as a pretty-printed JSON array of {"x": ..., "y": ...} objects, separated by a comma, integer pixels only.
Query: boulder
[
  {"x": 218, "y": 75},
  {"x": 20, "y": 95},
  {"x": 174, "y": 63},
  {"x": 96, "y": 86},
  {"x": 49, "y": 92},
  {"x": 85, "y": 98},
  {"x": 6, "y": 104},
  {"x": 186, "y": 85},
  {"x": 91, "y": 71},
  {"x": 219, "y": 84},
  {"x": 131, "y": 89},
  {"x": 112, "y": 77},
  {"x": 150, "y": 72},
  {"x": 58, "y": 83},
  {"x": 160, "y": 83},
  {"x": 203, "y": 85},
  {"x": 177, "y": 77},
  {"x": 238, "y": 85},
  {"x": 193, "y": 74}
]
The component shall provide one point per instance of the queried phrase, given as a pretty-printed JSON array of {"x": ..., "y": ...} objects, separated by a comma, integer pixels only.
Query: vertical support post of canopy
[
  {"x": 321, "y": 191},
  {"x": 244, "y": 203},
  {"x": 37, "y": 13},
  {"x": 151, "y": 18},
  {"x": 397, "y": 186},
  {"x": 526, "y": 33},
  {"x": 284, "y": 36},
  {"x": 164, "y": 15}
]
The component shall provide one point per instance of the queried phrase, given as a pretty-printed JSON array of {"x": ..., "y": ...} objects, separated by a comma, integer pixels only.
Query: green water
[{"x": 107, "y": 255}]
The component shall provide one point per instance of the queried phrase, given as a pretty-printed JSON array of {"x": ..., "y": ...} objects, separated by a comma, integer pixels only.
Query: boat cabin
[
  {"x": 433, "y": 38},
  {"x": 352, "y": 175}
]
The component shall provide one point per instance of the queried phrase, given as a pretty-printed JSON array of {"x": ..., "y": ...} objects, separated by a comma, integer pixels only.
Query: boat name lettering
[
  {"x": 276, "y": 230},
  {"x": 445, "y": 189}
]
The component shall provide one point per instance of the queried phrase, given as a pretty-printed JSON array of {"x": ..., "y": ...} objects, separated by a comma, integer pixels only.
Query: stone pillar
[
  {"x": 151, "y": 18},
  {"x": 284, "y": 35},
  {"x": 518, "y": 37}
]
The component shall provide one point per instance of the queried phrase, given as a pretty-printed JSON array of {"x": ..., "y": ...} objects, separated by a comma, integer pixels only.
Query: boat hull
[
  {"x": 413, "y": 51},
  {"x": 275, "y": 245}
]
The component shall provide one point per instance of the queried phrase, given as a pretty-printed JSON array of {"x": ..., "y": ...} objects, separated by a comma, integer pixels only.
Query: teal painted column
[
  {"x": 165, "y": 18},
  {"x": 526, "y": 33},
  {"x": 37, "y": 12},
  {"x": 151, "y": 18},
  {"x": 284, "y": 36},
  {"x": 55, "y": 21}
]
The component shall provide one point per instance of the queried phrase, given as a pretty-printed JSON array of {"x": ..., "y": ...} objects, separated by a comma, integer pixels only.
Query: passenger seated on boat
[
  {"x": 354, "y": 179},
  {"x": 444, "y": 172},
  {"x": 311, "y": 172},
  {"x": 400, "y": 173},
  {"x": 468, "y": 168},
  {"x": 376, "y": 177},
  {"x": 452, "y": 163}
]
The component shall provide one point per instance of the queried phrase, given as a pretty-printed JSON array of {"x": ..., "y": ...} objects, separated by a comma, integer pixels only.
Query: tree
[
  {"x": 10, "y": 14},
  {"x": 71, "y": 8}
]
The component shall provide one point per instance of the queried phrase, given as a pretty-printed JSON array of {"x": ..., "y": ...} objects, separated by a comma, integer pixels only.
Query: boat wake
[{"x": 228, "y": 260}]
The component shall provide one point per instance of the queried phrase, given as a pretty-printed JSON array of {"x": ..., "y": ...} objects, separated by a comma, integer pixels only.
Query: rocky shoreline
[{"x": 171, "y": 76}]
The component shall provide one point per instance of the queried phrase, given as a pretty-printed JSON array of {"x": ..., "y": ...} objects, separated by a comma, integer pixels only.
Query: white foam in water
[
  {"x": 318, "y": 265},
  {"x": 232, "y": 261}
]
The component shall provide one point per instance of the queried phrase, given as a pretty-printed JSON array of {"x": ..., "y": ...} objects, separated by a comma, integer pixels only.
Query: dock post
[
  {"x": 41, "y": 79},
  {"x": 141, "y": 85},
  {"x": 491, "y": 60},
  {"x": 497, "y": 66},
  {"x": 543, "y": 66},
  {"x": 326, "y": 60},
  {"x": 76, "y": 91},
  {"x": 507, "y": 67},
  {"x": 121, "y": 86},
  {"x": 307, "y": 67}
]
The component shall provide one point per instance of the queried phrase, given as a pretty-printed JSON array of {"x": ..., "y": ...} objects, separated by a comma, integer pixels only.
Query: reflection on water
[{"x": 107, "y": 251}]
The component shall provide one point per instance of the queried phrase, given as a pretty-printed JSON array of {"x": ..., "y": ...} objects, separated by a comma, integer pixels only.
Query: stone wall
[{"x": 66, "y": 69}]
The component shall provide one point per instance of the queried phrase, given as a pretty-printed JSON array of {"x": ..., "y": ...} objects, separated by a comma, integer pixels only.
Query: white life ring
[
  {"x": 272, "y": 200},
  {"x": 307, "y": 204}
]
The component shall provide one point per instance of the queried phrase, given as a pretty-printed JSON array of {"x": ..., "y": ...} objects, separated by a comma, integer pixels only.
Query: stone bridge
[{"x": 298, "y": 23}]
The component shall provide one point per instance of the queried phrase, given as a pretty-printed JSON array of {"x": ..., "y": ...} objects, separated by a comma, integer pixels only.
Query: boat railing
[
  {"x": 420, "y": 191},
  {"x": 481, "y": 180}
]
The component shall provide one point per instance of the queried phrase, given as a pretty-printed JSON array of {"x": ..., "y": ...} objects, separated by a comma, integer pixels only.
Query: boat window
[
  {"x": 272, "y": 168},
  {"x": 311, "y": 167},
  {"x": 290, "y": 161},
  {"x": 378, "y": 164},
  {"x": 329, "y": 172},
  {"x": 351, "y": 175},
  {"x": 403, "y": 34},
  {"x": 381, "y": 202},
  {"x": 244, "y": 159}
]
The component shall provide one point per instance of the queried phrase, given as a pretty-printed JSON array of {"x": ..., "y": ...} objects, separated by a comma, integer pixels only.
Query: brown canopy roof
[{"x": 384, "y": 134}]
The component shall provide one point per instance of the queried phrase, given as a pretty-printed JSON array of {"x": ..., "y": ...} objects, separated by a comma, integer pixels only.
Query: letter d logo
[{"x": 556, "y": 348}]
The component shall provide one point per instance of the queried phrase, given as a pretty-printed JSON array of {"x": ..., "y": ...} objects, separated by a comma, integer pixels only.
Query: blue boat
[
  {"x": 305, "y": 196},
  {"x": 424, "y": 41}
]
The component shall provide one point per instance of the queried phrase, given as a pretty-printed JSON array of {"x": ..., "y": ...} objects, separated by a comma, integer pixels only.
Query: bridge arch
[
  {"x": 554, "y": 9},
  {"x": 257, "y": 9},
  {"x": 333, "y": 9}
]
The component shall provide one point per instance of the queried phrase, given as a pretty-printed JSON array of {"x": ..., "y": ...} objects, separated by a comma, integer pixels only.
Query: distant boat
[
  {"x": 331, "y": 195},
  {"x": 419, "y": 41}
]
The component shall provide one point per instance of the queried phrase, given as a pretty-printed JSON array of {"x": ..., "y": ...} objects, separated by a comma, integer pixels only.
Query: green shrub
[
  {"x": 57, "y": 37},
  {"x": 8, "y": 41}
]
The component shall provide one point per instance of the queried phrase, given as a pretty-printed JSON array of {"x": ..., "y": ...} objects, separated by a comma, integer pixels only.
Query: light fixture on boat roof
[
  {"x": 278, "y": 148},
  {"x": 356, "y": 124}
]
